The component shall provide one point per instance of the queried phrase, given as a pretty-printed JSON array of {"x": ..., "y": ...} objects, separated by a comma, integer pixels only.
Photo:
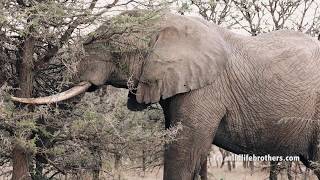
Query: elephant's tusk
[{"x": 78, "y": 89}]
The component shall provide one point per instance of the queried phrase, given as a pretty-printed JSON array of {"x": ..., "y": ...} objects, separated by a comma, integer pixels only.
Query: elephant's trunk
[{"x": 78, "y": 89}]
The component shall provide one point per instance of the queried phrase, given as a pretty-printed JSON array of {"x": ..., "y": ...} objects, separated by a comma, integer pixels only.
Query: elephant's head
[{"x": 177, "y": 55}]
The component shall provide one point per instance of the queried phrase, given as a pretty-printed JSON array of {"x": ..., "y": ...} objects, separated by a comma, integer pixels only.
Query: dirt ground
[
  {"x": 239, "y": 173},
  {"x": 260, "y": 172}
]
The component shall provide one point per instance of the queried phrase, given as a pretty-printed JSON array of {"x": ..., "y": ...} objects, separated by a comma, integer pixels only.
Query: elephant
[{"x": 249, "y": 95}]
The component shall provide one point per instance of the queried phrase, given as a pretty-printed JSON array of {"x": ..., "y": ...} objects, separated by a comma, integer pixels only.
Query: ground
[
  {"x": 260, "y": 171},
  {"x": 223, "y": 174}
]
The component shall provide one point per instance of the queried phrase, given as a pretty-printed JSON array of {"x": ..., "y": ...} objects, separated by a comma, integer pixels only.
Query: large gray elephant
[{"x": 254, "y": 95}]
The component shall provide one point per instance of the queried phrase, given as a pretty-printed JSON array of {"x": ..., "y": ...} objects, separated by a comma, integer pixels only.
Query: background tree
[{"x": 257, "y": 16}]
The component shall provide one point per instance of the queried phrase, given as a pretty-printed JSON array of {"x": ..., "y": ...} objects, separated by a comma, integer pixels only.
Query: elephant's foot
[{"x": 316, "y": 169}]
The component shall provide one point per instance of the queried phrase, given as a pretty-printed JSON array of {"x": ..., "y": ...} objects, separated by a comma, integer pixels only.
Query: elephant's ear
[{"x": 184, "y": 57}]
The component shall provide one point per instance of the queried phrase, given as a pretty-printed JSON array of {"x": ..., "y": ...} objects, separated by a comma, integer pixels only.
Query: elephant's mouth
[
  {"x": 92, "y": 88},
  {"x": 76, "y": 90}
]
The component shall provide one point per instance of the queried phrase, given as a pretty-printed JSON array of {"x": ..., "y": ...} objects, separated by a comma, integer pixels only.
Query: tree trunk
[
  {"x": 251, "y": 164},
  {"x": 38, "y": 170},
  {"x": 24, "y": 68},
  {"x": 289, "y": 172},
  {"x": 2, "y": 78},
  {"x": 273, "y": 170},
  {"x": 234, "y": 164},
  {"x": 223, "y": 153},
  {"x": 20, "y": 164},
  {"x": 98, "y": 165},
  {"x": 95, "y": 174},
  {"x": 117, "y": 165},
  {"x": 245, "y": 164},
  {"x": 306, "y": 174},
  {"x": 144, "y": 168},
  {"x": 229, "y": 165}
]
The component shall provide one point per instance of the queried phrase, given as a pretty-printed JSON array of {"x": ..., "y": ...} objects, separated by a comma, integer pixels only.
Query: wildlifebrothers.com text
[{"x": 247, "y": 157}]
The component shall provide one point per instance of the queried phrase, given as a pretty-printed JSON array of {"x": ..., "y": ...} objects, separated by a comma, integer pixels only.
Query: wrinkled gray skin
[{"x": 256, "y": 95}]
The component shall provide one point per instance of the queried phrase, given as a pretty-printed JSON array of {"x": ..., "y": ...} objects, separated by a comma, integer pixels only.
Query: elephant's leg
[
  {"x": 317, "y": 173},
  {"x": 204, "y": 170},
  {"x": 310, "y": 165},
  {"x": 315, "y": 161},
  {"x": 183, "y": 157},
  {"x": 314, "y": 164}
]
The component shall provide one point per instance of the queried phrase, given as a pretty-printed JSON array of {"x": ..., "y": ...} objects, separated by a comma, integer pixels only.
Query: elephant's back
[
  {"x": 283, "y": 45},
  {"x": 285, "y": 57}
]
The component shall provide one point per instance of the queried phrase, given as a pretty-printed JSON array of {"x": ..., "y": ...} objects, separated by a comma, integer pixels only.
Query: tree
[
  {"x": 258, "y": 16},
  {"x": 40, "y": 45}
]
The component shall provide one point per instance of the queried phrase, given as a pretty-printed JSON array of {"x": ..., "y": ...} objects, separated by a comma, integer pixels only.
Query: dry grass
[
  {"x": 223, "y": 174},
  {"x": 239, "y": 173}
]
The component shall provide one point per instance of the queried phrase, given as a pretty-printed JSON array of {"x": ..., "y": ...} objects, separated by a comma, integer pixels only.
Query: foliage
[
  {"x": 258, "y": 16},
  {"x": 68, "y": 137},
  {"x": 128, "y": 32},
  {"x": 101, "y": 127},
  {"x": 126, "y": 36}
]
